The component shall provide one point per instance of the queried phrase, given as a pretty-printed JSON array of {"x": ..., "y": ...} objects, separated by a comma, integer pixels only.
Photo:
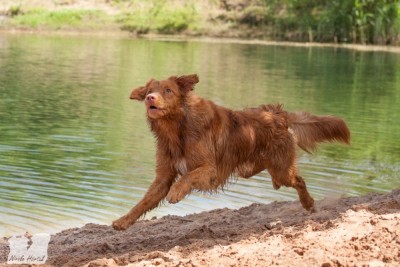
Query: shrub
[{"x": 159, "y": 18}]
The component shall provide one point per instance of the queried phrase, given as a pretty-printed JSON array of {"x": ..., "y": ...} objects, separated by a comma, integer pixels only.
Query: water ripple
[{"x": 74, "y": 149}]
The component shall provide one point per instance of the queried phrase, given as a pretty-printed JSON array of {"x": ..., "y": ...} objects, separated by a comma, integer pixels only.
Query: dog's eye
[
  {"x": 168, "y": 90},
  {"x": 149, "y": 92}
]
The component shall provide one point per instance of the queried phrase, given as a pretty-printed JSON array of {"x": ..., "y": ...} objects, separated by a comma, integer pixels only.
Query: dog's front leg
[
  {"x": 203, "y": 178},
  {"x": 157, "y": 191}
]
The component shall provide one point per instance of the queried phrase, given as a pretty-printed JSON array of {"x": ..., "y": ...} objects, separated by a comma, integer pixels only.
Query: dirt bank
[{"x": 356, "y": 231}]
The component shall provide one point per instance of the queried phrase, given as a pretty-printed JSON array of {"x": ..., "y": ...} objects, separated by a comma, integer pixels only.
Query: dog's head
[{"x": 166, "y": 96}]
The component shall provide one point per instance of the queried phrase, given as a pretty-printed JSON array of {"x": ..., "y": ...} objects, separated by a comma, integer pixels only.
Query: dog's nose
[{"x": 151, "y": 97}]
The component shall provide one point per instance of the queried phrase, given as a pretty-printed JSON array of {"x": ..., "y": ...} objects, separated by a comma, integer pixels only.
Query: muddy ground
[{"x": 356, "y": 231}]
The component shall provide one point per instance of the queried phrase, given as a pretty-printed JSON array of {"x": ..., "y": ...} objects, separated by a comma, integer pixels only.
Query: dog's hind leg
[
  {"x": 283, "y": 170},
  {"x": 306, "y": 200},
  {"x": 288, "y": 177}
]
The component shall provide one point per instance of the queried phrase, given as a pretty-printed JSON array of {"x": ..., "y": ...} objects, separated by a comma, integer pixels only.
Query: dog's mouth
[{"x": 155, "y": 111}]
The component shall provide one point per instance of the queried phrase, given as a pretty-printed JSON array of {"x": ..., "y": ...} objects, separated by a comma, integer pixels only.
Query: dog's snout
[{"x": 151, "y": 97}]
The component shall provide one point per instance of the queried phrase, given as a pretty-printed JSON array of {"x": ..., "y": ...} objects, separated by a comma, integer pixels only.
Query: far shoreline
[{"x": 202, "y": 39}]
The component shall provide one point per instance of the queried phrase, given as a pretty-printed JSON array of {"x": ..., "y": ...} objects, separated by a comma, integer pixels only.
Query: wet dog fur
[{"x": 200, "y": 145}]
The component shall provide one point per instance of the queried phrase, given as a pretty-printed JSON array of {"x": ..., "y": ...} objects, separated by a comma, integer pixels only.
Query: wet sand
[{"x": 355, "y": 231}]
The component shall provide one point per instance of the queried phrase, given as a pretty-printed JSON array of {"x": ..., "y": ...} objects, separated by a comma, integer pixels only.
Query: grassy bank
[
  {"x": 39, "y": 18},
  {"x": 339, "y": 21},
  {"x": 159, "y": 17}
]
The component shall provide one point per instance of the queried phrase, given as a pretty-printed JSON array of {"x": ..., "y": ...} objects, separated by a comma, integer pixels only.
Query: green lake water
[{"x": 74, "y": 149}]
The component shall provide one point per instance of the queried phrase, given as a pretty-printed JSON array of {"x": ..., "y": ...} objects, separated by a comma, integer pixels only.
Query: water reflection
[{"x": 74, "y": 149}]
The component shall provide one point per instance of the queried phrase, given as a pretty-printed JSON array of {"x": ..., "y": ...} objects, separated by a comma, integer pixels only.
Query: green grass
[
  {"x": 68, "y": 18},
  {"x": 160, "y": 19}
]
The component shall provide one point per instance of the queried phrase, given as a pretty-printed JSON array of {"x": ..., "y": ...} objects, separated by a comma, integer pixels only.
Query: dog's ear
[
  {"x": 139, "y": 93},
  {"x": 186, "y": 83}
]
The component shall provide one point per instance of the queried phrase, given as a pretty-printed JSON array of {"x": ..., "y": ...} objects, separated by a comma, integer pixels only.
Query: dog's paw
[
  {"x": 177, "y": 192},
  {"x": 275, "y": 185},
  {"x": 312, "y": 209},
  {"x": 174, "y": 197},
  {"x": 309, "y": 205},
  {"x": 121, "y": 224}
]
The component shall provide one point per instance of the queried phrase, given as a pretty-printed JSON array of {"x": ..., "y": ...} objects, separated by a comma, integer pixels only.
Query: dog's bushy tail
[{"x": 309, "y": 129}]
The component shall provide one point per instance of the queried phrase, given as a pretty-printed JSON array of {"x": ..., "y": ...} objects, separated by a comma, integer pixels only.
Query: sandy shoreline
[
  {"x": 183, "y": 38},
  {"x": 356, "y": 231},
  {"x": 204, "y": 39}
]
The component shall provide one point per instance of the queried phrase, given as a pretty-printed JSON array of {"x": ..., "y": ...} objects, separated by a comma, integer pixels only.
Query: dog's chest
[{"x": 181, "y": 166}]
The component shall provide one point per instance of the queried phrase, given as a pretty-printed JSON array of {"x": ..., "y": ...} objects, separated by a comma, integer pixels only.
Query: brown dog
[{"x": 200, "y": 144}]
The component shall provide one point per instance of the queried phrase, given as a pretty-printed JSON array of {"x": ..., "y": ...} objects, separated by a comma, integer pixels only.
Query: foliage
[
  {"x": 253, "y": 15},
  {"x": 14, "y": 11},
  {"x": 357, "y": 21},
  {"x": 341, "y": 21},
  {"x": 159, "y": 16}
]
